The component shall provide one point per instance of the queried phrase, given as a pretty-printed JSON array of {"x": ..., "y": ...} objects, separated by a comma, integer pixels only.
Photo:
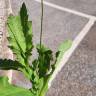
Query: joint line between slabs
[
  {"x": 75, "y": 44},
  {"x": 68, "y": 10}
]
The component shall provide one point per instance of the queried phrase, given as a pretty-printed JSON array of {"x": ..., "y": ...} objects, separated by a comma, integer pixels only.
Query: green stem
[
  {"x": 41, "y": 23},
  {"x": 44, "y": 88}
]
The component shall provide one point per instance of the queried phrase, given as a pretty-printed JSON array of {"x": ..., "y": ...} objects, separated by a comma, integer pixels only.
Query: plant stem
[{"x": 41, "y": 23}]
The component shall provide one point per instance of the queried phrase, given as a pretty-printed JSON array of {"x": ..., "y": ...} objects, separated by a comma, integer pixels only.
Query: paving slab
[
  {"x": 78, "y": 76},
  {"x": 85, "y": 6}
]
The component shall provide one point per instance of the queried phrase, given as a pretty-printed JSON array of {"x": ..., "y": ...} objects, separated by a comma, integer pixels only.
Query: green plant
[{"x": 40, "y": 70}]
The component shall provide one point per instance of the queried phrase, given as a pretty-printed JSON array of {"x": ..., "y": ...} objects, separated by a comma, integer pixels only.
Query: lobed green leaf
[{"x": 20, "y": 35}]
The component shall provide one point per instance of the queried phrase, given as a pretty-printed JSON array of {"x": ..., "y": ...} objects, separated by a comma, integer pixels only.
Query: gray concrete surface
[
  {"x": 78, "y": 77},
  {"x": 85, "y": 6}
]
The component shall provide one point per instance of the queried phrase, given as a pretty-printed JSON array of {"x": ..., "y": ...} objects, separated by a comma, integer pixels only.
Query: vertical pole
[{"x": 41, "y": 23}]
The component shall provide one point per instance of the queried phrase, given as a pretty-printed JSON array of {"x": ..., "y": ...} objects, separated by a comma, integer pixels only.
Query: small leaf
[
  {"x": 44, "y": 59},
  {"x": 65, "y": 46},
  {"x": 61, "y": 51}
]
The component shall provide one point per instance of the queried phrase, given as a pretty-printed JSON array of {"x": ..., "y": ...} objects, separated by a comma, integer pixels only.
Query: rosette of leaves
[{"x": 40, "y": 70}]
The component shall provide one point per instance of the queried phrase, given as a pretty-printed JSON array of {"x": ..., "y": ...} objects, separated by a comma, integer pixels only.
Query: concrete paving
[
  {"x": 78, "y": 76},
  {"x": 85, "y": 6}
]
